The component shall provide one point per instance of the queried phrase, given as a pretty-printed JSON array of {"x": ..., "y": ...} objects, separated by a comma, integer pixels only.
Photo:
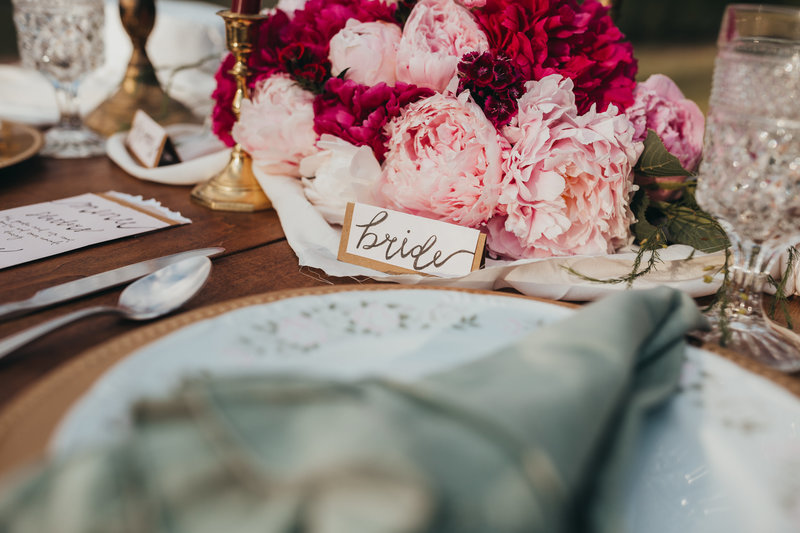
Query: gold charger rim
[
  {"x": 28, "y": 421},
  {"x": 29, "y": 150}
]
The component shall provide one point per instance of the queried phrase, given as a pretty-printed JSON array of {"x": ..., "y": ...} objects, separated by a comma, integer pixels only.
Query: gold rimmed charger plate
[
  {"x": 18, "y": 142},
  {"x": 28, "y": 421}
]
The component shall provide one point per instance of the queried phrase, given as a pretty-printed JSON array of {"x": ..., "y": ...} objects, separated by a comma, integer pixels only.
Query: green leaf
[
  {"x": 656, "y": 161},
  {"x": 642, "y": 229},
  {"x": 695, "y": 228}
]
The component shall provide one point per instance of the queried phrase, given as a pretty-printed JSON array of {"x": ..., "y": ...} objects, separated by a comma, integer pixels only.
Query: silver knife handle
[
  {"x": 9, "y": 344},
  {"x": 13, "y": 308}
]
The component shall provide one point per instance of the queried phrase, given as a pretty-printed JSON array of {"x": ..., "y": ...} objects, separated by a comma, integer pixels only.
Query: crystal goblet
[
  {"x": 63, "y": 39},
  {"x": 750, "y": 174}
]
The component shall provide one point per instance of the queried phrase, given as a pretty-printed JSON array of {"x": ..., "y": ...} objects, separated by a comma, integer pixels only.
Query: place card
[
  {"x": 49, "y": 228},
  {"x": 149, "y": 142},
  {"x": 399, "y": 243}
]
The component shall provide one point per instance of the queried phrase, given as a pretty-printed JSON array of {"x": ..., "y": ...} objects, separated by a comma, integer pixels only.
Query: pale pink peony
[
  {"x": 339, "y": 173},
  {"x": 367, "y": 50},
  {"x": 544, "y": 102},
  {"x": 470, "y": 4},
  {"x": 290, "y": 6},
  {"x": 660, "y": 106},
  {"x": 445, "y": 161},
  {"x": 571, "y": 181},
  {"x": 436, "y": 35},
  {"x": 277, "y": 125}
]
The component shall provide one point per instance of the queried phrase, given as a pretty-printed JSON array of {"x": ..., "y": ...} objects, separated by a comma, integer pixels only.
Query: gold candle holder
[
  {"x": 235, "y": 188},
  {"x": 139, "y": 88}
]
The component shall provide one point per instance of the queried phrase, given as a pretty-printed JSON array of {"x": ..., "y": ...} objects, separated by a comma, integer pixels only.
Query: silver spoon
[{"x": 149, "y": 297}]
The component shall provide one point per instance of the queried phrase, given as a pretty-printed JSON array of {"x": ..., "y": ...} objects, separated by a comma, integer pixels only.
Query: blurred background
[{"x": 674, "y": 37}]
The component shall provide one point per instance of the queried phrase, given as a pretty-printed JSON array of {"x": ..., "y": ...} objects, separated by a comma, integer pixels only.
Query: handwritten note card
[
  {"x": 399, "y": 243},
  {"x": 149, "y": 142},
  {"x": 41, "y": 230}
]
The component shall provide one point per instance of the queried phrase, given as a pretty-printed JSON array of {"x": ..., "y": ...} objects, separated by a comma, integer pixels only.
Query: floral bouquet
[{"x": 519, "y": 118}]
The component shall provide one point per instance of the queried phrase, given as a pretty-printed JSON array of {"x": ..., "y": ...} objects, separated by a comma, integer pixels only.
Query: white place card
[
  {"x": 149, "y": 142},
  {"x": 49, "y": 228},
  {"x": 399, "y": 243}
]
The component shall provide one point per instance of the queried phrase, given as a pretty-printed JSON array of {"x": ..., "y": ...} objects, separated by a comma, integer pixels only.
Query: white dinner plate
[{"x": 722, "y": 456}]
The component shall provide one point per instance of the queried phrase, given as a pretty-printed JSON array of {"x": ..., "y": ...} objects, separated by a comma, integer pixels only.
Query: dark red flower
[
  {"x": 577, "y": 41},
  {"x": 494, "y": 82},
  {"x": 358, "y": 114}
]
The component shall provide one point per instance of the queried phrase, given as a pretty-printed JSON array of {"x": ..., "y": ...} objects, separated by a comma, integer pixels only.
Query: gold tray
[{"x": 18, "y": 142}]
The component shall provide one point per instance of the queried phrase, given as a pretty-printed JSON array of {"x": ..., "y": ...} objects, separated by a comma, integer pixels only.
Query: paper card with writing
[
  {"x": 149, "y": 143},
  {"x": 399, "y": 243},
  {"x": 49, "y": 228}
]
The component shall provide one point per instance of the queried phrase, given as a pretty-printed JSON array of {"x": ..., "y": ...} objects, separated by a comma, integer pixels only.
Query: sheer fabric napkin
[{"x": 534, "y": 437}]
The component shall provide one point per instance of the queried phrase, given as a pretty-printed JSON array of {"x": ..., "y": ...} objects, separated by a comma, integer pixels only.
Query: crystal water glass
[
  {"x": 63, "y": 39},
  {"x": 750, "y": 174}
]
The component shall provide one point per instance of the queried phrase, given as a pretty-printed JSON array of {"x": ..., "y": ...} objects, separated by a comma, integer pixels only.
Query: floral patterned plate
[{"x": 722, "y": 455}]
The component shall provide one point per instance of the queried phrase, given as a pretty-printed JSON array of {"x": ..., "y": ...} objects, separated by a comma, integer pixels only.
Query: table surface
[{"x": 257, "y": 259}]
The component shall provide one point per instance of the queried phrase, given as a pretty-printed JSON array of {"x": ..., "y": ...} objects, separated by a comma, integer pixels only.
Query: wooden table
[{"x": 257, "y": 259}]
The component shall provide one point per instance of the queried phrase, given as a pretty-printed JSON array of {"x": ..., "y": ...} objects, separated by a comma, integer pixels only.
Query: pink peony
[
  {"x": 571, "y": 180},
  {"x": 445, "y": 161},
  {"x": 544, "y": 102},
  {"x": 367, "y": 50},
  {"x": 660, "y": 106},
  {"x": 436, "y": 35},
  {"x": 277, "y": 126}
]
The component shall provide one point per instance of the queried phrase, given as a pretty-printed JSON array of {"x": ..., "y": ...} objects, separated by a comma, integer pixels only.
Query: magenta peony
[
  {"x": 357, "y": 113},
  {"x": 366, "y": 52},
  {"x": 277, "y": 125},
  {"x": 445, "y": 161},
  {"x": 437, "y": 34},
  {"x": 577, "y": 40},
  {"x": 571, "y": 179},
  {"x": 222, "y": 117}
]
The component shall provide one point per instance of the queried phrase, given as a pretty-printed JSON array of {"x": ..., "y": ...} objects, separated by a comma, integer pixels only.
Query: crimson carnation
[
  {"x": 494, "y": 82},
  {"x": 358, "y": 113},
  {"x": 578, "y": 41}
]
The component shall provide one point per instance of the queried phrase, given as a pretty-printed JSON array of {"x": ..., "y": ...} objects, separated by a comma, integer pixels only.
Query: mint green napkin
[{"x": 535, "y": 437}]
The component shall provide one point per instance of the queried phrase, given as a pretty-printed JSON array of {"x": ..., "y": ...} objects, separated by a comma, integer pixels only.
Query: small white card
[
  {"x": 49, "y": 228},
  {"x": 399, "y": 243},
  {"x": 149, "y": 143}
]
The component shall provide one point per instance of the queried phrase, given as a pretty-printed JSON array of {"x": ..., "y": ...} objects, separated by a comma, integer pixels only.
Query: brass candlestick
[
  {"x": 140, "y": 88},
  {"x": 235, "y": 188}
]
